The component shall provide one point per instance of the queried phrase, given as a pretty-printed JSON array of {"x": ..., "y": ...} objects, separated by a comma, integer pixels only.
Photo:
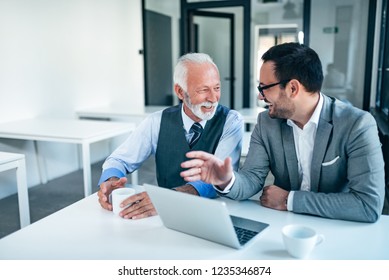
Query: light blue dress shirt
[{"x": 142, "y": 143}]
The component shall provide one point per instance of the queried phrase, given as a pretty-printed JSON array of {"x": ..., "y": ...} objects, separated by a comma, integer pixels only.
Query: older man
[{"x": 198, "y": 123}]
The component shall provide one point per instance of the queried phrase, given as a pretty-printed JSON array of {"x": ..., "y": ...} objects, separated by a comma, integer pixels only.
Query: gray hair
[{"x": 181, "y": 69}]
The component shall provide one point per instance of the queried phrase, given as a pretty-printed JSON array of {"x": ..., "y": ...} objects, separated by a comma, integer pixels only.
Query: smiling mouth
[
  {"x": 268, "y": 103},
  {"x": 208, "y": 107}
]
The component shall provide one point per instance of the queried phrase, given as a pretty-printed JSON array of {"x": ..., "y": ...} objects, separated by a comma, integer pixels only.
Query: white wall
[{"x": 58, "y": 56}]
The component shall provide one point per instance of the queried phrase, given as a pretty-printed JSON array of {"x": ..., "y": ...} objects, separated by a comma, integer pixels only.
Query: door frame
[
  {"x": 189, "y": 8},
  {"x": 382, "y": 52},
  {"x": 193, "y": 43}
]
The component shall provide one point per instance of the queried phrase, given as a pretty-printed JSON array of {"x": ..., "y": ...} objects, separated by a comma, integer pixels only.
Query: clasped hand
[
  {"x": 141, "y": 204},
  {"x": 274, "y": 197}
]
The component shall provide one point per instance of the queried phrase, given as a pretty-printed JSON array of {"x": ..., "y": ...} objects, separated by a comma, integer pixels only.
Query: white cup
[
  {"x": 117, "y": 197},
  {"x": 300, "y": 240}
]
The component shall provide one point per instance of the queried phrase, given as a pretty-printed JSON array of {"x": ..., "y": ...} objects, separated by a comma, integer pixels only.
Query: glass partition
[{"x": 340, "y": 39}]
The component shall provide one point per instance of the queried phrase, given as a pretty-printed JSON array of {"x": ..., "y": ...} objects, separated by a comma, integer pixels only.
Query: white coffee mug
[
  {"x": 300, "y": 240},
  {"x": 117, "y": 197}
]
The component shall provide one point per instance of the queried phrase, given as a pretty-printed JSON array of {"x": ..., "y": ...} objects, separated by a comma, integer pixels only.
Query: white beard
[{"x": 196, "y": 109}]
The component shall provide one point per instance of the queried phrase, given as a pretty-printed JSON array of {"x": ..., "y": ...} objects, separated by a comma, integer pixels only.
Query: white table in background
[
  {"x": 115, "y": 112},
  {"x": 9, "y": 161},
  {"x": 250, "y": 115},
  {"x": 82, "y": 132},
  {"x": 84, "y": 230},
  {"x": 118, "y": 113}
]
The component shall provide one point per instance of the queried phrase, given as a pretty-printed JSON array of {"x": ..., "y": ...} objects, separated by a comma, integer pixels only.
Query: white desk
[
  {"x": 73, "y": 131},
  {"x": 246, "y": 143},
  {"x": 116, "y": 112},
  {"x": 86, "y": 231},
  {"x": 10, "y": 161},
  {"x": 250, "y": 115}
]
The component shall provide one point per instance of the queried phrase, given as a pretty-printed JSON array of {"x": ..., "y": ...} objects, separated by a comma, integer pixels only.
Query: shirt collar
[
  {"x": 316, "y": 114},
  {"x": 188, "y": 122}
]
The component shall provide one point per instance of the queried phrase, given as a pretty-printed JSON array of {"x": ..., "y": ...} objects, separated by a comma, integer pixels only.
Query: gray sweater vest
[{"x": 172, "y": 145}]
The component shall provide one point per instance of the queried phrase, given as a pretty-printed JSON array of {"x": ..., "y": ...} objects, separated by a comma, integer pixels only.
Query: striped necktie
[{"x": 196, "y": 129}]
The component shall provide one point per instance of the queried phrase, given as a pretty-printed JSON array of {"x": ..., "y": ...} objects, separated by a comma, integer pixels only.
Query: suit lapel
[
  {"x": 323, "y": 133},
  {"x": 290, "y": 156}
]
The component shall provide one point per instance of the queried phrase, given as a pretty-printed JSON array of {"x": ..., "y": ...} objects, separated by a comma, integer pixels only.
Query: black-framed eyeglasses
[{"x": 262, "y": 88}]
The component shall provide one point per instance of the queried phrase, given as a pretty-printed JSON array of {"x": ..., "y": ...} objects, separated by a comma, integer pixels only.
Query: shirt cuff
[
  {"x": 204, "y": 189},
  {"x": 228, "y": 187},
  {"x": 110, "y": 172},
  {"x": 289, "y": 204}
]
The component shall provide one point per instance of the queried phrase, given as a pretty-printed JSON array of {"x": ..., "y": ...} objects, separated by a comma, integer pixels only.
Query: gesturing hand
[{"x": 208, "y": 168}]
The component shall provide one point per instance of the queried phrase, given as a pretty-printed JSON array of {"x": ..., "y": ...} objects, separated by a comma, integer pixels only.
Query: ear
[
  {"x": 179, "y": 91},
  {"x": 295, "y": 87}
]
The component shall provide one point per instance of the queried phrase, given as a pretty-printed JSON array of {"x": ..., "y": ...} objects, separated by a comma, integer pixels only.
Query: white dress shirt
[{"x": 304, "y": 140}]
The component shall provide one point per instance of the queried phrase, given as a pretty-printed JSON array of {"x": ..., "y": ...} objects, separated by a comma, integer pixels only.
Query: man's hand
[
  {"x": 274, "y": 197},
  {"x": 208, "y": 168},
  {"x": 106, "y": 189},
  {"x": 141, "y": 207}
]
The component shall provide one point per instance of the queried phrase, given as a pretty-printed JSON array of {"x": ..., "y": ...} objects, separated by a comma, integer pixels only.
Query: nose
[
  {"x": 213, "y": 95},
  {"x": 261, "y": 96}
]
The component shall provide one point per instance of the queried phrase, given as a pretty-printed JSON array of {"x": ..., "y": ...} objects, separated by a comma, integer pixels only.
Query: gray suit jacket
[{"x": 347, "y": 170}]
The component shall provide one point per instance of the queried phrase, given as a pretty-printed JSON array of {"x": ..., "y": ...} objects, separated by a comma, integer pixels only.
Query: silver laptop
[{"x": 203, "y": 217}]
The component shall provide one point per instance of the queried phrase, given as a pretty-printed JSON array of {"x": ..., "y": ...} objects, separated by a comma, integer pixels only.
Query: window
[
  {"x": 340, "y": 38},
  {"x": 382, "y": 98}
]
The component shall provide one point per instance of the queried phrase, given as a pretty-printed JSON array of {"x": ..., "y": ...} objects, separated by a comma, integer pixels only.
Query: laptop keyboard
[{"x": 244, "y": 235}]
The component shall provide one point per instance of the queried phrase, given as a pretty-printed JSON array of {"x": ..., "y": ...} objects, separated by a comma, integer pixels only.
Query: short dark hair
[{"x": 296, "y": 61}]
